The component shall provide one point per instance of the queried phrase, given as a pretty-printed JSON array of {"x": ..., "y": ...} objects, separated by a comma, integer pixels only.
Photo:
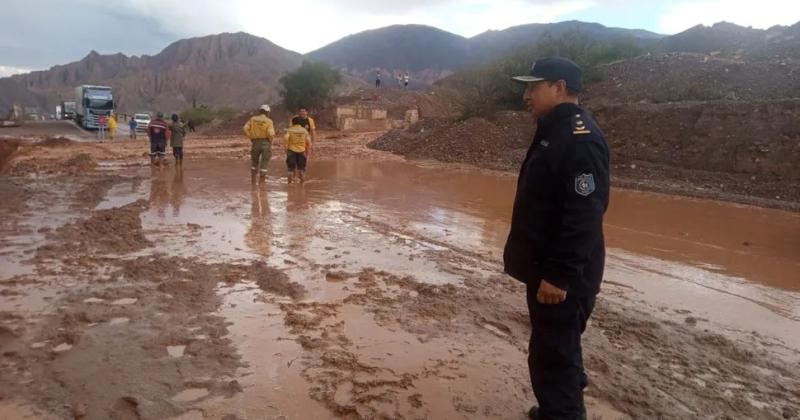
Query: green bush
[
  {"x": 310, "y": 85},
  {"x": 481, "y": 91},
  {"x": 199, "y": 115},
  {"x": 226, "y": 113},
  {"x": 203, "y": 114}
]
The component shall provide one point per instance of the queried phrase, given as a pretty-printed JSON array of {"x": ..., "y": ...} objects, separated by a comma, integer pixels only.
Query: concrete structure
[{"x": 366, "y": 117}]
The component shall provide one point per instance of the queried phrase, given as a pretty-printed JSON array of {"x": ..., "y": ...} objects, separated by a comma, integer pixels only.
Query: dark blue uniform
[{"x": 557, "y": 235}]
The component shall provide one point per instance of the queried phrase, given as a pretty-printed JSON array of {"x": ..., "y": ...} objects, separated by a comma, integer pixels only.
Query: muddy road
[{"x": 372, "y": 291}]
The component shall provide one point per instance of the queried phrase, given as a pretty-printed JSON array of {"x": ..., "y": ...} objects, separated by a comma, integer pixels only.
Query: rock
[{"x": 61, "y": 348}]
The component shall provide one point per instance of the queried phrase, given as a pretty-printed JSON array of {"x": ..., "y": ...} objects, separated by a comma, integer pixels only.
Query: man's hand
[{"x": 549, "y": 294}]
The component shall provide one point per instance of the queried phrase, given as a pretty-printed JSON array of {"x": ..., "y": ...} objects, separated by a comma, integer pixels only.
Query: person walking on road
[
  {"x": 298, "y": 146},
  {"x": 158, "y": 132},
  {"x": 102, "y": 120},
  {"x": 132, "y": 125},
  {"x": 260, "y": 130},
  {"x": 177, "y": 134},
  {"x": 555, "y": 245},
  {"x": 112, "y": 126},
  {"x": 305, "y": 121}
]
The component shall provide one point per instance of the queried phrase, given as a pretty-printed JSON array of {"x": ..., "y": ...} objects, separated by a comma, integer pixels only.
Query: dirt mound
[
  {"x": 81, "y": 163},
  {"x": 730, "y": 150},
  {"x": 55, "y": 142},
  {"x": 7, "y": 149},
  {"x": 272, "y": 280},
  {"x": 678, "y": 77},
  {"x": 497, "y": 144},
  {"x": 754, "y": 138},
  {"x": 110, "y": 231}
]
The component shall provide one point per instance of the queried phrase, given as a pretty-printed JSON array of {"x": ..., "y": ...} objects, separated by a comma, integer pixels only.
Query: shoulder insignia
[{"x": 579, "y": 126}]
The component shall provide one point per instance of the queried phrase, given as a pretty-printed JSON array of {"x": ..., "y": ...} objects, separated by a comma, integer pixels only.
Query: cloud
[
  {"x": 36, "y": 34},
  {"x": 758, "y": 14},
  {"x": 6, "y": 71}
]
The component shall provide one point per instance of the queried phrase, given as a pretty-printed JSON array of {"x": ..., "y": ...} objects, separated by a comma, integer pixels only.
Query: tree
[{"x": 310, "y": 85}]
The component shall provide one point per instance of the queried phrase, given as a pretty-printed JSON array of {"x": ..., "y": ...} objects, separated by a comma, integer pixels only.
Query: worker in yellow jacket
[
  {"x": 260, "y": 130},
  {"x": 298, "y": 145},
  {"x": 112, "y": 126}
]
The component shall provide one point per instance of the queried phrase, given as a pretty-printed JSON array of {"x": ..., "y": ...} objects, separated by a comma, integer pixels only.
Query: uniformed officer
[{"x": 556, "y": 244}]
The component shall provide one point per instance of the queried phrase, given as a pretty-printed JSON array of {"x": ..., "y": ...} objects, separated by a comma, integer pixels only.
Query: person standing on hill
[
  {"x": 378, "y": 80},
  {"x": 177, "y": 134},
  {"x": 260, "y": 130},
  {"x": 406, "y": 79},
  {"x": 555, "y": 245},
  {"x": 158, "y": 132}
]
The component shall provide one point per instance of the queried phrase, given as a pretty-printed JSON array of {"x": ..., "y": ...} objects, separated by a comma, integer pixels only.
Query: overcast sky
[{"x": 37, "y": 34}]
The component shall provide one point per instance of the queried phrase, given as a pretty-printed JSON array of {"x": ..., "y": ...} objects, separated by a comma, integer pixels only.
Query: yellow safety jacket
[{"x": 259, "y": 127}]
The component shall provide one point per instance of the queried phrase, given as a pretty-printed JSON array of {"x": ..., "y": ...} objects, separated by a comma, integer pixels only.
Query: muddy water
[
  {"x": 727, "y": 267},
  {"x": 471, "y": 209},
  {"x": 357, "y": 214}
]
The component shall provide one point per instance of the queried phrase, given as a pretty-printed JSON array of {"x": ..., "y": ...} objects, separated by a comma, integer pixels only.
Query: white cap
[{"x": 265, "y": 108}]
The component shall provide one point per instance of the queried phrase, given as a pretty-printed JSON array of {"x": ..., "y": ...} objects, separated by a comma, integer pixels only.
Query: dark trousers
[
  {"x": 158, "y": 147},
  {"x": 178, "y": 153},
  {"x": 555, "y": 357},
  {"x": 295, "y": 161}
]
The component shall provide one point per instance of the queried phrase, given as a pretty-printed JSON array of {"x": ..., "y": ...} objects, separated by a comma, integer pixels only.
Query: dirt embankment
[
  {"x": 677, "y": 77},
  {"x": 718, "y": 148},
  {"x": 497, "y": 144},
  {"x": 733, "y": 151}
]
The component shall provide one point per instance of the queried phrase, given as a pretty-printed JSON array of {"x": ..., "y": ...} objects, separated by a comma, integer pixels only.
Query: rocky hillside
[
  {"x": 734, "y": 41},
  {"x": 409, "y": 47},
  {"x": 238, "y": 70},
  {"x": 675, "y": 77},
  {"x": 430, "y": 54}
]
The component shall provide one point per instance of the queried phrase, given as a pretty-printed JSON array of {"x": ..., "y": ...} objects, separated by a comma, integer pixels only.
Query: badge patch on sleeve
[{"x": 584, "y": 184}]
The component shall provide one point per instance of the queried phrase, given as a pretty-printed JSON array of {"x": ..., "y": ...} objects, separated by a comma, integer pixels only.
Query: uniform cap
[{"x": 553, "y": 69}]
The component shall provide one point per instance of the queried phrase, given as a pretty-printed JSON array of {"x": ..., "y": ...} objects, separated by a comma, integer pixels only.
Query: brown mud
[{"x": 372, "y": 291}]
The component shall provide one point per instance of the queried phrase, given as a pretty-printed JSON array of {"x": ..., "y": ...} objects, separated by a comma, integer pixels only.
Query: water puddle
[
  {"x": 719, "y": 265},
  {"x": 272, "y": 383},
  {"x": 434, "y": 207},
  {"x": 401, "y": 218}
]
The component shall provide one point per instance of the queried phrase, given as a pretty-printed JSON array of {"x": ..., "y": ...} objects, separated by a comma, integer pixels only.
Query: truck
[
  {"x": 91, "y": 102},
  {"x": 68, "y": 110}
]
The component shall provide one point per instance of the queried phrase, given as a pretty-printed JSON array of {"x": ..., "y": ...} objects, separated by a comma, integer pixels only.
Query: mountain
[
  {"x": 494, "y": 44},
  {"x": 241, "y": 70},
  {"x": 230, "y": 69},
  {"x": 408, "y": 47},
  {"x": 731, "y": 40},
  {"x": 431, "y": 54}
]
